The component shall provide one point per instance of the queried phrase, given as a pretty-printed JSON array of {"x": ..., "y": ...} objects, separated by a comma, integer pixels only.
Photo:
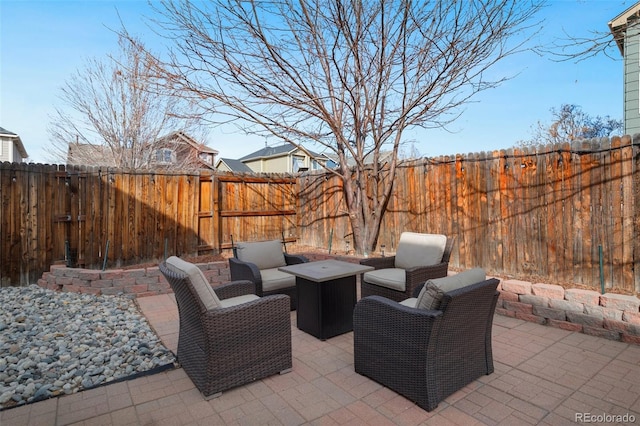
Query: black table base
[{"x": 325, "y": 309}]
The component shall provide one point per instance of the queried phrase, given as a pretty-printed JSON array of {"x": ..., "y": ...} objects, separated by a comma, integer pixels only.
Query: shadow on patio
[{"x": 543, "y": 375}]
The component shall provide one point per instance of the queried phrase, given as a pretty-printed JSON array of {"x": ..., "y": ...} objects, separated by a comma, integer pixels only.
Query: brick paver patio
[{"x": 544, "y": 375}]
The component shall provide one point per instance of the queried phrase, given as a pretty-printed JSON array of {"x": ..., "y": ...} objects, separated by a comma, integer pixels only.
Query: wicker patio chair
[
  {"x": 424, "y": 354},
  {"x": 242, "y": 339},
  {"x": 396, "y": 277},
  {"x": 259, "y": 261}
]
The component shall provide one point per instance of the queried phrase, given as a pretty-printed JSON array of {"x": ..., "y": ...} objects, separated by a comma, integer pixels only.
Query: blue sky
[{"x": 43, "y": 42}]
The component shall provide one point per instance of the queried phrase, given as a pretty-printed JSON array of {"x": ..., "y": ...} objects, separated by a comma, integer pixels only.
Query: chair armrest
[
  {"x": 241, "y": 328},
  {"x": 386, "y": 315},
  {"x": 294, "y": 259},
  {"x": 419, "y": 275},
  {"x": 244, "y": 271},
  {"x": 380, "y": 262},
  {"x": 235, "y": 288},
  {"x": 266, "y": 305}
]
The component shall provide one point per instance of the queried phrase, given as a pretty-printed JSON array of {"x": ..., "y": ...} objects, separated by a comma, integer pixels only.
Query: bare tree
[
  {"x": 348, "y": 77},
  {"x": 610, "y": 43},
  {"x": 116, "y": 115},
  {"x": 570, "y": 123},
  {"x": 572, "y": 48}
]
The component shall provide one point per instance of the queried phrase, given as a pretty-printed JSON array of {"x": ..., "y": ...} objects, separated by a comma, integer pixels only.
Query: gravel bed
[{"x": 54, "y": 343}]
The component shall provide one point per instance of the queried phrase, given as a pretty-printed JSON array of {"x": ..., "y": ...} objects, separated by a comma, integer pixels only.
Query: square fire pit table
[{"x": 326, "y": 296}]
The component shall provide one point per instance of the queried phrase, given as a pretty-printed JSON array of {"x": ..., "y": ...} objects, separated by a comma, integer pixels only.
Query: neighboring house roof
[
  {"x": 80, "y": 153},
  {"x": 234, "y": 165},
  {"x": 618, "y": 25},
  {"x": 276, "y": 151},
  {"x": 275, "y": 159},
  {"x": 16, "y": 141},
  {"x": 384, "y": 158},
  {"x": 183, "y": 137}
]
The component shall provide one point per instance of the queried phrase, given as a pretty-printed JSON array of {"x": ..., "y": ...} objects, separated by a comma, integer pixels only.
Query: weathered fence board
[
  {"x": 520, "y": 212},
  {"x": 256, "y": 208}
]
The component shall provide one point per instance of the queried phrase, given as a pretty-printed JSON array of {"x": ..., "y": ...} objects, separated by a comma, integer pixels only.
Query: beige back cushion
[
  {"x": 264, "y": 254},
  {"x": 208, "y": 297},
  {"x": 419, "y": 250},
  {"x": 431, "y": 294}
]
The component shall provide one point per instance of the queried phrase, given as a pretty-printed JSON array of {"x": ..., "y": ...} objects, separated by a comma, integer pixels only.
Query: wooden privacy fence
[
  {"x": 526, "y": 213},
  {"x": 96, "y": 218},
  {"x": 555, "y": 213},
  {"x": 255, "y": 208}
]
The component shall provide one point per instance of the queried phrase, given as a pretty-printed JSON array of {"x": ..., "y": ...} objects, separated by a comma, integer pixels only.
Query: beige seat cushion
[
  {"x": 431, "y": 294},
  {"x": 416, "y": 250},
  {"x": 264, "y": 254},
  {"x": 272, "y": 279},
  {"x": 238, "y": 300},
  {"x": 393, "y": 278},
  {"x": 208, "y": 297}
]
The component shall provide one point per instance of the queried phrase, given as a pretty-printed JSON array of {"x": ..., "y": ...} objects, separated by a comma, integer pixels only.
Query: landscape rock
[{"x": 58, "y": 343}]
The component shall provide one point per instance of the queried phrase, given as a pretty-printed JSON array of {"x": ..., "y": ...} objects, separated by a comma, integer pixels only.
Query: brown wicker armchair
[
  {"x": 423, "y": 354},
  {"x": 396, "y": 278},
  {"x": 242, "y": 339},
  {"x": 258, "y": 262}
]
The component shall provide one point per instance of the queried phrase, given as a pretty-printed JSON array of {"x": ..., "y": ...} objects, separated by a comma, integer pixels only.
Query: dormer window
[
  {"x": 206, "y": 158},
  {"x": 298, "y": 162},
  {"x": 165, "y": 156}
]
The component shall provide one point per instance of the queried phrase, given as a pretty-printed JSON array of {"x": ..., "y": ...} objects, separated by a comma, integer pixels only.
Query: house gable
[
  {"x": 618, "y": 25},
  {"x": 11, "y": 147},
  {"x": 176, "y": 149},
  {"x": 185, "y": 150},
  {"x": 625, "y": 29}
]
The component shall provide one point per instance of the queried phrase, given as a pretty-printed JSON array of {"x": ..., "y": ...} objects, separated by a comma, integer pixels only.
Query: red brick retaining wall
[
  {"x": 609, "y": 315},
  {"x": 135, "y": 282},
  {"x": 612, "y": 316}
]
